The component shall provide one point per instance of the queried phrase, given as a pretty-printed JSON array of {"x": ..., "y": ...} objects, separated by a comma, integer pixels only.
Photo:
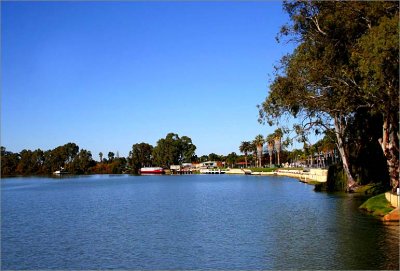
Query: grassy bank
[{"x": 377, "y": 205}]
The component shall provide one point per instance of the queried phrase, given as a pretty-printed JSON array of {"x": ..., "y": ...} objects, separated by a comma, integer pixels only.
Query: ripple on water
[{"x": 187, "y": 222}]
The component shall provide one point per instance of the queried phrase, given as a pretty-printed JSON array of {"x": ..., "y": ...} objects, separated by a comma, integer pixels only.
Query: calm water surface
[{"x": 187, "y": 222}]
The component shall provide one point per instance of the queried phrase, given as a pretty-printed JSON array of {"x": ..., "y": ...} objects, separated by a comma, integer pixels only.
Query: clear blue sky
[{"x": 107, "y": 75}]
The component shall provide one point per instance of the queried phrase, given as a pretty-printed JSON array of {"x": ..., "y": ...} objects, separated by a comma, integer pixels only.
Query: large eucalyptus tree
[
  {"x": 173, "y": 150},
  {"x": 327, "y": 78}
]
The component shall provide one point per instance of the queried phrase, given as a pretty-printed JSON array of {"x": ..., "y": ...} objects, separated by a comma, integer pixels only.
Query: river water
[{"x": 187, "y": 222}]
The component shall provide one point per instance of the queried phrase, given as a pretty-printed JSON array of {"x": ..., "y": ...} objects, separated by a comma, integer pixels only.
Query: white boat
[{"x": 60, "y": 172}]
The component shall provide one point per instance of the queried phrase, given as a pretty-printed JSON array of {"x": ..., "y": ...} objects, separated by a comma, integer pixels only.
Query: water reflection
[{"x": 188, "y": 222}]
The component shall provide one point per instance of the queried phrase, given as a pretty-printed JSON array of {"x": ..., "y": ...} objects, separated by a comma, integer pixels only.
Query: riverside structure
[{"x": 317, "y": 175}]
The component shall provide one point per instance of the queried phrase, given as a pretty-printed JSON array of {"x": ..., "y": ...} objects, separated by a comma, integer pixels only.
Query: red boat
[{"x": 151, "y": 170}]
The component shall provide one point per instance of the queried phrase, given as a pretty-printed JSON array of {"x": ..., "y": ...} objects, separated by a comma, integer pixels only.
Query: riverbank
[
  {"x": 311, "y": 176},
  {"x": 382, "y": 207},
  {"x": 385, "y": 206}
]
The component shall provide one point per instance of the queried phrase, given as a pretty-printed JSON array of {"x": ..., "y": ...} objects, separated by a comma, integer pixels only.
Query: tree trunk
[
  {"x": 270, "y": 152},
  {"x": 278, "y": 148},
  {"x": 390, "y": 147},
  {"x": 259, "y": 154},
  {"x": 339, "y": 131},
  {"x": 279, "y": 160}
]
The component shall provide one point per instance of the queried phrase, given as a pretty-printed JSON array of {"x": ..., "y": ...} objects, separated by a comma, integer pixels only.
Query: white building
[{"x": 209, "y": 164}]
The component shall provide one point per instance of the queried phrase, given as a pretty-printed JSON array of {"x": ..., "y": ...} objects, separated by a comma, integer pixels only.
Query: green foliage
[
  {"x": 377, "y": 205},
  {"x": 29, "y": 162},
  {"x": 245, "y": 147},
  {"x": 101, "y": 156},
  {"x": 377, "y": 59},
  {"x": 346, "y": 59},
  {"x": 259, "y": 142},
  {"x": 173, "y": 150},
  {"x": 368, "y": 163},
  {"x": 141, "y": 156},
  {"x": 231, "y": 159},
  {"x": 371, "y": 189},
  {"x": 336, "y": 180},
  {"x": 270, "y": 140},
  {"x": 187, "y": 149},
  {"x": 9, "y": 162},
  {"x": 36, "y": 162},
  {"x": 203, "y": 158},
  {"x": 295, "y": 155},
  {"x": 214, "y": 157},
  {"x": 110, "y": 156},
  {"x": 81, "y": 163},
  {"x": 117, "y": 166},
  {"x": 278, "y": 133}
]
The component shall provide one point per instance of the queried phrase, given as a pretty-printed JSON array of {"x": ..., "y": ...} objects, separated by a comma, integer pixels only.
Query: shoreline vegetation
[{"x": 377, "y": 205}]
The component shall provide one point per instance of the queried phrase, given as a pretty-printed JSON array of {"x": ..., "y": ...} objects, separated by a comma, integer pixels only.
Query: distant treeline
[
  {"x": 171, "y": 150},
  {"x": 68, "y": 157}
]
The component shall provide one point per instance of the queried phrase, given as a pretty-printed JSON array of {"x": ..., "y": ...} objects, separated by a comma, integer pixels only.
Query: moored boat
[
  {"x": 60, "y": 172},
  {"x": 151, "y": 170}
]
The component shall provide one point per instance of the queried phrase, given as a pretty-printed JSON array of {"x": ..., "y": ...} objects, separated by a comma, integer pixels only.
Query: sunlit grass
[{"x": 377, "y": 205}]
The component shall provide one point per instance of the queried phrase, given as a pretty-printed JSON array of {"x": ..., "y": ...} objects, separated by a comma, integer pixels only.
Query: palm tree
[
  {"x": 278, "y": 137},
  {"x": 270, "y": 143},
  {"x": 253, "y": 149},
  {"x": 231, "y": 159},
  {"x": 259, "y": 142},
  {"x": 327, "y": 145},
  {"x": 101, "y": 156},
  {"x": 245, "y": 147},
  {"x": 111, "y": 156}
]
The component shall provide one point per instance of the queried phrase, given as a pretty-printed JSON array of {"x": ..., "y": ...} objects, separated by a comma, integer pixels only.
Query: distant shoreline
[{"x": 318, "y": 175}]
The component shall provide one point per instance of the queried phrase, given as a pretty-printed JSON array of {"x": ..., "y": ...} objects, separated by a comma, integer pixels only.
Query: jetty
[
  {"x": 183, "y": 169},
  {"x": 212, "y": 171}
]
